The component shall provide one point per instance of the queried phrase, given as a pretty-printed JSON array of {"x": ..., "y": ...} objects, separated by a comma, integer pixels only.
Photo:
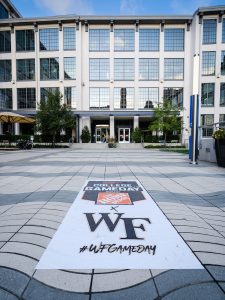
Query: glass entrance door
[
  {"x": 124, "y": 135},
  {"x": 102, "y": 134}
]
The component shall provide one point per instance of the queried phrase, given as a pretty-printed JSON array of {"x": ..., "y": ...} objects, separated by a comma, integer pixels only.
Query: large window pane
[
  {"x": 149, "y": 69},
  {"x": 148, "y": 98},
  {"x": 99, "y": 69},
  {"x": 99, "y": 98},
  {"x": 222, "y": 118},
  {"x": 5, "y": 70},
  {"x": 174, "y": 69},
  {"x": 26, "y": 98},
  {"x": 3, "y": 12},
  {"x": 69, "y": 67},
  {"x": 208, "y": 94},
  {"x": 69, "y": 38},
  {"x": 25, "y": 69},
  {"x": 208, "y": 62},
  {"x": 209, "y": 31},
  {"x": 123, "y": 98},
  {"x": 149, "y": 39},
  {"x": 223, "y": 32},
  {"x": 49, "y": 39},
  {"x": 222, "y": 94},
  {"x": 5, "y": 41},
  {"x": 5, "y": 99},
  {"x": 45, "y": 92},
  {"x": 174, "y": 39},
  {"x": 70, "y": 97},
  {"x": 123, "y": 69},
  {"x": 25, "y": 40},
  {"x": 174, "y": 95},
  {"x": 223, "y": 63},
  {"x": 99, "y": 40},
  {"x": 49, "y": 68},
  {"x": 124, "y": 40},
  {"x": 207, "y": 125}
]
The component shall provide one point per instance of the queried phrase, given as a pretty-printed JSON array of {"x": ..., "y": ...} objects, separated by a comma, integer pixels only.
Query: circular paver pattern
[{"x": 37, "y": 189}]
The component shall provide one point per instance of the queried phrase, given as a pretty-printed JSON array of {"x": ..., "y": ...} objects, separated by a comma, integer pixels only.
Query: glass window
[
  {"x": 174, "y": 39},
  {"x": 222, "y": 118},
  {"x": 223, "y": 32},
  {"x": 209, "y": 31},
  {"x": 148, "y": 98},
  {"x": 123, "y": 69},
  {"x": 208, "y": 62},
  {"x": 69, "y": 67},
  {"x": 208, "y": 94},
  {"x": 124, "y": 40},
  {"x": 5, "y": 41},
  {"x": 70, "y": 97},
  {"x": 45, "y": 92},
  {"x": 25, "y": 69},
  {"x": 149, "y": 69},
  {"x": 26, "y": 98},
  {"x": 174, "y": 69},
  {"x": 3, "y": 12},
  {"x": 99, "y": 69},
  {"x": 25, "y": 40},
  {"x": 5, "y": 70},
  {"x": 207, "y": 125},
  {"x": 174, "y": 95},
  {"x": 123, "y": 98},
  {"x": 99, "y": 40},
  {"x": 49, "y": 68},
  {"x": 49, "y": 39},
  {"x": 149, "y": 39},
  {"x": 99, "y": 98},
  {"x": 223, "y": 63},
  {"x": 69, "y": 38},
  {"x": 5, "y": 99},
  {"x": 222, "y": 94}
]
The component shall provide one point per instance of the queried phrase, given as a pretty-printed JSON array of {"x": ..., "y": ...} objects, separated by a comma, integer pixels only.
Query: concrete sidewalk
[{"x": 37, "y": 188}]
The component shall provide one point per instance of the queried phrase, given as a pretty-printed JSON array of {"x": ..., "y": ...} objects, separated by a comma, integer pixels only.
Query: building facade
[{"x": 113, "y": 70}]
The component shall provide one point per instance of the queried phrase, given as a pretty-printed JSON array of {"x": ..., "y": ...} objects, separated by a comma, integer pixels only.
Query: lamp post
[{"x": 194, "y": 113}]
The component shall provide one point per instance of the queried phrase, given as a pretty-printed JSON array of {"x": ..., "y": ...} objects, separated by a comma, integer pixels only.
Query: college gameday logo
[{"x": 113, "y": 192}]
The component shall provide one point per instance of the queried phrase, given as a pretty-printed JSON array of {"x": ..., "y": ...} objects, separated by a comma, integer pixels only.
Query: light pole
[{"x": 194, "y": 113}]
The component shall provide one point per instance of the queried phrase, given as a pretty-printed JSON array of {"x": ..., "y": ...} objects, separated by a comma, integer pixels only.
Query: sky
[{"x": 38, "y": 8}]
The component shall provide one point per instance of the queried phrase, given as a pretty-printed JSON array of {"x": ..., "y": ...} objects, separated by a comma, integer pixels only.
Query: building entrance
[
  {"x": 102, "y": 133},
  {"x": 124, "y": 135}
]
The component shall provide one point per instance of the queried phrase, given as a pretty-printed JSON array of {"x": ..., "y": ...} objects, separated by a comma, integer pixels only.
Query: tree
[
  {"x": 85, "y": 135},
  {"x": 54, "y": 117},
  {"x": 136, "y": 135},
  {"x": 166, "y": 118}
]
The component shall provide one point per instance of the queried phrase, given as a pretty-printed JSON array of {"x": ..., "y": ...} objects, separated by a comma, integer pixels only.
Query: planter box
[{"x": 220, "y": 152}]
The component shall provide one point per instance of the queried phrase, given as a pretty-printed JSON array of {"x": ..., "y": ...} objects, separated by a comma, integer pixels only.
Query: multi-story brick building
[{"x": 113, "y": 70}]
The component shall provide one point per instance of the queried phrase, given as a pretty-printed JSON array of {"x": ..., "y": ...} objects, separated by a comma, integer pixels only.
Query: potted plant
[
  {"x": 85, "y": 135},
  {"x": 111, "y": 143},
  {"x": 219, "y": 136},
  {"x": 136, "y": 135}
]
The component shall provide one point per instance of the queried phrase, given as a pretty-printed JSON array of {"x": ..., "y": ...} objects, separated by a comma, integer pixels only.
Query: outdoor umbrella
[{"x": 10, "y": 117}]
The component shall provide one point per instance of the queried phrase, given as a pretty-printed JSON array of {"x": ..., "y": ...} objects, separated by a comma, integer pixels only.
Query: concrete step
[{"x": 105, "y": 146}]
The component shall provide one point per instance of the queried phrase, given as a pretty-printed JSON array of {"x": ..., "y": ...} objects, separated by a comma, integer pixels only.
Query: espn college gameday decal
[{"x": 116, "y": 225}]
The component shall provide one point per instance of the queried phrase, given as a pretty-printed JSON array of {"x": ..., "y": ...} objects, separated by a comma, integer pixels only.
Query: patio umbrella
[{"x": 10, "y": 117}]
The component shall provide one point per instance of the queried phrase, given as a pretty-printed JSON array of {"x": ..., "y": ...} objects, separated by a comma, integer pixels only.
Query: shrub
[
  {"x": 136, "y": 135},
  {"x": 219, "y": 134},
  {"x": 85, "y": 135}
]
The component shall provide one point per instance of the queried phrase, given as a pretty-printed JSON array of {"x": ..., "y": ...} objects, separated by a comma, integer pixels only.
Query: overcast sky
[{"x": 31, "y": 8}]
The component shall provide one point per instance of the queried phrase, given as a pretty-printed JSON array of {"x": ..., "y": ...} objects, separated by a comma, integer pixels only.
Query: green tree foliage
[
  {"x": 136, "y": 135},
  {"x": 85, "y": 135},
  {"x": 53, "y": 116},
  {"x": 166, "y": 118}
]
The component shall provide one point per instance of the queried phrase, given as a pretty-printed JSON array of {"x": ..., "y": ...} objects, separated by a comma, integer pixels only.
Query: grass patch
[
  {"x": 162, "y": 146},
  {"x": 176, "y": 150}
]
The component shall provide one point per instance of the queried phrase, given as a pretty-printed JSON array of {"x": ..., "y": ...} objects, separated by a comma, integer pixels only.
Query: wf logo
[{"x": 129, "y": 225}]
